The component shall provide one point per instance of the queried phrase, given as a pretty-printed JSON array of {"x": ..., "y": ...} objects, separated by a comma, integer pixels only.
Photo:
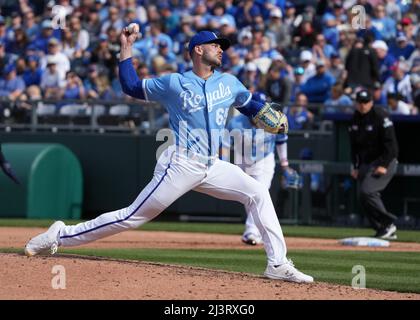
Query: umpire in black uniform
[{"x": 374, "y": 152}]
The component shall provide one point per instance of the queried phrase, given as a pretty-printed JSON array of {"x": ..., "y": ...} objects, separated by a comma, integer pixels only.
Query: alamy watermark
[
  {"x": 59, "y": 17},
  {"x": 249, "y": 144},
  {"x": 359, "y": 280},
  {"x": 358, "y": 20},
  {"x": 59, "y": 279}
]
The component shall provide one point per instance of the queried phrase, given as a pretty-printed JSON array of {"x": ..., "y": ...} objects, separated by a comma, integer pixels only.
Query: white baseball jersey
[{"x": 200, "y": 108}]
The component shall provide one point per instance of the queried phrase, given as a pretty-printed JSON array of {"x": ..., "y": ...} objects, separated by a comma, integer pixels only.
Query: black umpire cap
[{"x": 363, "y": 96}]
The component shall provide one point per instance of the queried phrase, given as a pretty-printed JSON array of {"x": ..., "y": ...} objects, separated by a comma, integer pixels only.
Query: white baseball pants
[
  {"x": 174, "y": 175},
  {"x": 263, "y": 172}
]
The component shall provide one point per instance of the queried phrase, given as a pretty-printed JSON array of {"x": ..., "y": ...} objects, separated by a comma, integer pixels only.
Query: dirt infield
[
  {"x": 93, "y": 278},
  {"x": 30, "y": 278}
]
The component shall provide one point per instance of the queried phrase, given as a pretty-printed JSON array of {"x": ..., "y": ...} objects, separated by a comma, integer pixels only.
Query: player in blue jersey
[
  {"x": 197, "y": 102},
  {"x": 254, "y": 154}
]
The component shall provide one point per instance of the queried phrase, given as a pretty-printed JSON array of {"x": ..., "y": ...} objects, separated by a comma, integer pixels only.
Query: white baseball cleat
[
  {"x": 287, "y": 272},
  {"x": 46, "y": 242},
  {"x": 388, "y": 233},
  {"x": 251, "y": 239}
]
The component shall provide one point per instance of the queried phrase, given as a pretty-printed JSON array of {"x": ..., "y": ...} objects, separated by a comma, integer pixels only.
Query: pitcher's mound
[{"x": 100, "y": 278}]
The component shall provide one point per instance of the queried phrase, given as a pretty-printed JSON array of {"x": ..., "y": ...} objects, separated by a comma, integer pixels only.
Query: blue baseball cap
[{"x": 204, "y": 37}]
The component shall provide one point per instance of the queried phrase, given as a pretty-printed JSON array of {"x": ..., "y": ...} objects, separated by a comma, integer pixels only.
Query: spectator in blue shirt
[
  {"x": 297, "y": 83},
  {"x": 19, "y": 43},
  {"x": 247, "y": 9},
  {"x": 244, "y": 43},
  {"x": 298, "y": 115},
  {"x": 384, "y": 24},
  {"x": 379, "y": 96},
  {"x": 201, "y": 15},
  {"x": 370, "y": 32},
  {"x": 339, "y": 12},
  {"x": 338, "y": 101},
  {"x": 399, "y": 82},
  {"x": 30, "y": 26},
  {"x": 318, "y": 87},
  {"x": 277, "y": 86},
  {"x": 321, "y": 49},
  {"x": 184, "y": 63},
  {"x": 149, "y": 45},
  {"x": 11, "y": 85},
  {"x": 330, "y": 31},
  {"x": 15, "y": 23},
  {"x": 97, "y": 84},
  {"x": 47, "y": 33},
  {"x": 219, "y": 15},
  {"x": 114, "y": 20},
  {"x": 184, "y": 34},
  {"x": 385, "y": 58},
  {"x": 249, "y": 75},
  {"x": 170, "y": 19},
  {"x": 402, "y": 48},
  {"x": 102, "y": 9},
  {"x": 74, "y": 88},
  {"x": 33, "y": 73},
  {"x": 164, "y": 51}
]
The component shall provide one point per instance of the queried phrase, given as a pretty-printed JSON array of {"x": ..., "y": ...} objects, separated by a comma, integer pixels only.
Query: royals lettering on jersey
[
  {"x": 197, "y": 108},
  {"x": 192, "y": 101},
  {"x": 256, "y": 143}
]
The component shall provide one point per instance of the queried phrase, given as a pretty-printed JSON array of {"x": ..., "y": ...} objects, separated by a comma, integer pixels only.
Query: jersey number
[{"x": 221, "y": 116}]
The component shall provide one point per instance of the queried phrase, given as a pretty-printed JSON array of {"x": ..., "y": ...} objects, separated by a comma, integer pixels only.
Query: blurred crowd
[{"x": 291, "y": 52}]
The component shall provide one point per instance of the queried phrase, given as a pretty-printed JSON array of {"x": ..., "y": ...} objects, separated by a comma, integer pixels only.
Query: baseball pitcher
[{"x": 197, "y": 102}]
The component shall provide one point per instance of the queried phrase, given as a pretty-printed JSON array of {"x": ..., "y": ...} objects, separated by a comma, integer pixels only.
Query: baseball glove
[
  {"x": 291, "y": 179},
  {"x": 271, "y": 120}
]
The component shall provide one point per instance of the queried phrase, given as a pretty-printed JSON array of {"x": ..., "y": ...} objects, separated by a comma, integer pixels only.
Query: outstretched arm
[{"x": 130, "y": 82}]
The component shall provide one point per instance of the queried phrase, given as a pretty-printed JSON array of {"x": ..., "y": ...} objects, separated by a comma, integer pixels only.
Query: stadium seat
[
  {"x": 73, "y": 110},
  {"x": 45, "y": 109},
  {"x": 119, "y": 110}
]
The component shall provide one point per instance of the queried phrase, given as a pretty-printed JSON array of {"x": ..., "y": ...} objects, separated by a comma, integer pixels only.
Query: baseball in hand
[{"x": 133, "y": 28}]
